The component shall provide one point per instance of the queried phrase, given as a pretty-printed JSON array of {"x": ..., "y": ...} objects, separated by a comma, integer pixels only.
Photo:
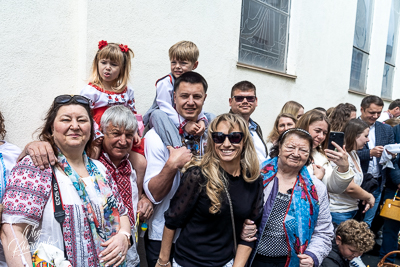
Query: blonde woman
[
  {"x": 283, "y": 122},
  {"x": 227, "y": 178},
  {"x": 294, "y": 108}
]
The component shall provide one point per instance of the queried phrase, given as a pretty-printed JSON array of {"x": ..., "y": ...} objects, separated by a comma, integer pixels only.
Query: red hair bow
[
  {"x": 102, "y": 44},
  {"x": 124, "y": 48}
]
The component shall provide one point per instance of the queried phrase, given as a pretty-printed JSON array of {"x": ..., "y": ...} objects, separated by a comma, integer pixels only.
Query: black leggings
[{"x": 263, "y": 261}]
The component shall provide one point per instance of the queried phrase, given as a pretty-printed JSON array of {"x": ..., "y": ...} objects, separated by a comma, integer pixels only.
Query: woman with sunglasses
[
  {"x": 94, "y": 228},
  {"x": 296, "y": 228},
  {"x": 215, "y": 196}
]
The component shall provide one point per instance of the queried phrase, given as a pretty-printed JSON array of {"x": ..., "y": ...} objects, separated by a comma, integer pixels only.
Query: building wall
[{"x": 48, "y": 46}]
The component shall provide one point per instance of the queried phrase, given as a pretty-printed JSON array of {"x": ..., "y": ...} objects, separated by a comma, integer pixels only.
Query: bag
[
  {"x": 391, "y": 208},
  {"x": 49, "y": 255},
  {"x": 382, "y": 263}
]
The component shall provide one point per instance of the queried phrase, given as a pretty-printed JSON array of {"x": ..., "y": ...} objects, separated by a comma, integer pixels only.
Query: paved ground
[{"x": 371, "y": 258}]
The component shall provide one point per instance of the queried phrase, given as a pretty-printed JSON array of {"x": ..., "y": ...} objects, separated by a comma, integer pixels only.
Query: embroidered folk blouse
[{"x": 28, "y": 199}]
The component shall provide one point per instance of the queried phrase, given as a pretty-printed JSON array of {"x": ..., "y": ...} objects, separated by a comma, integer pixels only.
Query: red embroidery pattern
[
  {"x": 27, "y": 191},
  {"x": 121, "y": 177}
]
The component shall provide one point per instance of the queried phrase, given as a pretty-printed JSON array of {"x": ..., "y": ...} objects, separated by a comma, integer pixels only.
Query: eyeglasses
[
  {"x": 65, "y": 99},
  {"x": 234, "y": 137},
  {"x": 240, "y": 98},
  {"x": 302, "y": 151}
]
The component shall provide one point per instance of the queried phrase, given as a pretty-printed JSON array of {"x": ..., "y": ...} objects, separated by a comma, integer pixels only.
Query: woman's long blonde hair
[
  {"x": 274, "y": 134},
  {"x": 113, "y": 52},
  {"x": 210, "y": 163}
]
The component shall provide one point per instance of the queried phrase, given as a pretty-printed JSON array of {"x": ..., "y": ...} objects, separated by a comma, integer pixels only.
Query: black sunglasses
[
  {"x": 65, "y": 99},
  {"x": 240, "y": 98},
  {"x": 234, "y": 137}
]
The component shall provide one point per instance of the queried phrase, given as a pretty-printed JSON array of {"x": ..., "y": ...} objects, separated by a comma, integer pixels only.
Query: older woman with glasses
[
  {"x": 93, "y": 229},
  {"x": 215, "y": 196},
  {"x": 296, "y": 228}
]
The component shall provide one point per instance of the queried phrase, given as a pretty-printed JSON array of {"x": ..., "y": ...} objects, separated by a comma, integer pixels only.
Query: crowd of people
[{"x": 212, "y": 189}]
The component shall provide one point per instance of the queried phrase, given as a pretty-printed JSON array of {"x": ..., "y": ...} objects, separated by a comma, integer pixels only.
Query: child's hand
[
  {"x": 191, "y": 127},
  {"x": 136, "y": 140},
  {"x": 98, "y": 142},
  {"x": 202, "y": 128},
  {"x": 96, "y": 148}
]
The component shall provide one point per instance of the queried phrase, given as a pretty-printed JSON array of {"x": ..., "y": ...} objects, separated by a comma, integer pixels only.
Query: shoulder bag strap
[
  {"x": 58, "y": 208},
  {"x": 232, "y": 218}
]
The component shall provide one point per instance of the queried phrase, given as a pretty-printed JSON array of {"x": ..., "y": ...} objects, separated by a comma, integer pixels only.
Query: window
[
  {"x": 361, "y": 43},
  {"x": 264, "y": 33},
  {"x": 388, "y": 69}
]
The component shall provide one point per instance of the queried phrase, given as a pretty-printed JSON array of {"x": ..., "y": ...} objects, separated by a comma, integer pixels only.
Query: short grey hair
[{"x": 119, "y": 116}]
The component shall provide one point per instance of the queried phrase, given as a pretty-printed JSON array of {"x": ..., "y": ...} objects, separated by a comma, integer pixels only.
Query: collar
[
  {"x": 371, "y": 126},
  {"x": 107, "y": 158},
  {"x": 252, "y": 125},
  {"x": 390, "y": 114}
]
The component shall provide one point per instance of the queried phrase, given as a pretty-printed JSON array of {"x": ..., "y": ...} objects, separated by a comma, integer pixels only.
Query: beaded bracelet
[{"x": 166, "y": 264}]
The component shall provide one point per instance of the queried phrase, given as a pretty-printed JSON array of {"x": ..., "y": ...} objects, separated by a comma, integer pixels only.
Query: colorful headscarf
[
  {"x": 302, "y": 213},
  {"x": 108, "y": 225}
]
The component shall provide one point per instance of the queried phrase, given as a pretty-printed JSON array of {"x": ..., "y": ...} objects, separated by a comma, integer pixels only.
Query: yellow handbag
[{"x": 391, "y": 208}]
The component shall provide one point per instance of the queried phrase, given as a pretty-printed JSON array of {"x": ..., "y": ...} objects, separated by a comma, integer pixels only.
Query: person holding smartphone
[
  {"x": 344, "y": 206},
  {"x": 336, "y": 176}
]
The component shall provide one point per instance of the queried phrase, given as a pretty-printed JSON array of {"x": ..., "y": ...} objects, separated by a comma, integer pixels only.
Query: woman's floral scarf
[
  {"x": 302, "y": 213},
  {"x": 108, "y": 225}
]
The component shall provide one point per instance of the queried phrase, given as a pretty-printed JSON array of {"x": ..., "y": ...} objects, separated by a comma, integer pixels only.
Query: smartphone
[{"x": 337, "y": 137}]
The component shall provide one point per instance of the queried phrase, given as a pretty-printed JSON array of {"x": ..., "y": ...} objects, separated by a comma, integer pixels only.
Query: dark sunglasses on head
[
  {"x": 240, "y": 98},
  {"x": 234, "y": 137},
  {"x": 64, "y": 99}
]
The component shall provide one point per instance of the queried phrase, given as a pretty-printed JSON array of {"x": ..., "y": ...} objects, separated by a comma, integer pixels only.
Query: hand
[
  {"x": 339, "y": 157},
  {"x": 136, "y": 140},
  {"x": 96, "y": 147},
  {"x": 369, "y": 203},
  {"x": 249, "y": 231},
  {"x": 191, "y": 127},
  {"x": 376, "y": 151},
  {"x": 41, "y": 153},
  {"x": 145, "y": 207},
  {"x": 305, "y": 260},
  {"x": 115, "y": 245},
  {"x": 202, "y": 128},
  {"x": 319, "y": 171},
  {"x": 178, "y": 157}
]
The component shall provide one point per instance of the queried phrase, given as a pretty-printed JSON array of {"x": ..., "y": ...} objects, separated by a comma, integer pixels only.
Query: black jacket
[{"x": 334, "y": 259}]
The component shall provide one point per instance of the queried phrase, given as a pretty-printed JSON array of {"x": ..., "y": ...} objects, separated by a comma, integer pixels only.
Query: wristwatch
[{"x": 128, "y": 236}]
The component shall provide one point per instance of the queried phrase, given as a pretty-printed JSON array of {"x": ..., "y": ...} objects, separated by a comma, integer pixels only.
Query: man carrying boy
[
  {"x": 162, "y": 114},
  {"x": 352, "y": 240},
  {"x": 243, "y": 101},
  {"x": 164, "y": 162}
]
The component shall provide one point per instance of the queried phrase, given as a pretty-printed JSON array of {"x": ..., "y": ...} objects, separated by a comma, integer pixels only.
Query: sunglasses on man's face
[
  {"x": 234, "y": 137},
  {"x": 65, "y": 99},
  {"x": 240, "y": 98}
]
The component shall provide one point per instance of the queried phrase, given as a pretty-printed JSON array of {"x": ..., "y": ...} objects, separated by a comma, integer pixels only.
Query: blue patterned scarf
[{"x": 302, "y": 213}]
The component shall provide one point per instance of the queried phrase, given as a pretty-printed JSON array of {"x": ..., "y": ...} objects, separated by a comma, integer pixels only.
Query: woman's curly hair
[
  {"x": 2, "y": 127},
  {"x": 356, "y": 234}
]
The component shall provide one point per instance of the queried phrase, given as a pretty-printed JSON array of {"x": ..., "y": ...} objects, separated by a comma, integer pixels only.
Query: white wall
[{"x": 48, "y": 46}]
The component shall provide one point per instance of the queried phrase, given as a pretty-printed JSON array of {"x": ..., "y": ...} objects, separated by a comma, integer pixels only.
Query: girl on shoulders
[{"x": 108, "y": 87}]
